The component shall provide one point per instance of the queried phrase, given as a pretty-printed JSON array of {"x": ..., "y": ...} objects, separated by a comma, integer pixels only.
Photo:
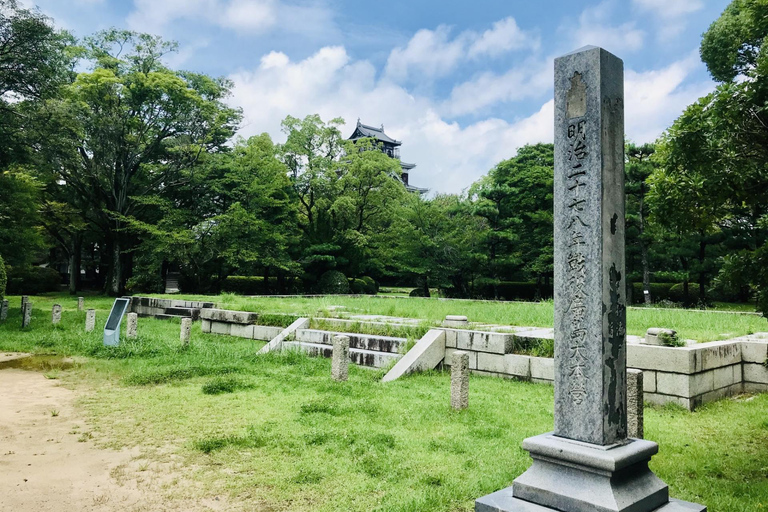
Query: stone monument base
[{"x": 571, "y": 476}]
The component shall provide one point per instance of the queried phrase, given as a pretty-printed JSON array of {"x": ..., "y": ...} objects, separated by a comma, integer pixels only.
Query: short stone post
[
  {"x": 186, "y": 330},
  {"x": 634, "y": 403},
  {"x": 80, "y": 303},
  {"x": 4, "y": 311},
  {"x": 90, "y": 320},
  {"x": 56, "y": 314},
  {"x": 340, "y": 363},
  {"x": 132, "y": 323},
  {"x": 26, "y": 314},
  {"x": 460, "y": 380}
]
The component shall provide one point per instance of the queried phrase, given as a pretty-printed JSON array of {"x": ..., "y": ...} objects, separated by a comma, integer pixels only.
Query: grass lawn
[
  {"x": 699, "y": 325},
  {"x": 275, "y": 432}
]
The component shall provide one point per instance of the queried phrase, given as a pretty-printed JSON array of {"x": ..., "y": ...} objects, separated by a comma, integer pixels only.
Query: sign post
[{"x": 112, "y": 327}]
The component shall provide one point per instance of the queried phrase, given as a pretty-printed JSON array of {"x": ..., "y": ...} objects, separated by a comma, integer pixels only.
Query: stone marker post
[
  {"x": 186, "y": 330},
  {"x": 56, "y": 314},
  {"x": 459, "y": 380},
  {"x": 4, "y": 310},
  {"x": 26, "y": 314},
  {"x": 634, "y": 403},
  {"x": 24, "y": 300},
  {"x": 131, "y": 325},
  {"x": 588, "y": 463},
  {"x": 340, "y": 362},
  {"x": 80, "y": 303},
  {"x": 90, "y": 320}
]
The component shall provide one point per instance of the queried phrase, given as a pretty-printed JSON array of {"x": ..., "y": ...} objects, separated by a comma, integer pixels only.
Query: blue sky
[{"x": 462, "y": 84}]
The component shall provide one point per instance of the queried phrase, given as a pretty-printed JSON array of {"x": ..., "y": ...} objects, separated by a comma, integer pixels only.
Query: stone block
[
  {"x": 635, "y": 403},
  {"x": 234, "y": 317},
  {"x": 185, "y": 331},
  {"x": 663, "y": 359},
  {"x": 676, "y": 384},
  {"x": 491, "y": 342},
  {"x": 726, "y": 376},
  {"x": 518, "y": 366},
  {"x": 241, "y": 331},
  {"x": 205, "y": 325},
  {"x": 459, "y": 380},
  {"x": 450, "y": 338},
  {"x": 491, "y": 362},
  {"x": 755, "y": 373},
  {"x": 717, "y": 354},
  {"x": 277, "y": 342},
  {"x": 472, "y": 358},
  {"x": 754, "y": 351},
  {"x": 132, "y": 322},
  {"x": 754, "y": 387},
  {"x": 655, "y": 335},
  {"x": 340, "y": 361},
  {"x": 428, "y": 352},
  {"x": 662, "y": 399},
  {"x": 542, "y": 369},
  {"x": 265, "y": 332},
  {"x": 220, "y": 327},
  {"x": 455, "y": 321},
  {"x": 649, "y": 381}
]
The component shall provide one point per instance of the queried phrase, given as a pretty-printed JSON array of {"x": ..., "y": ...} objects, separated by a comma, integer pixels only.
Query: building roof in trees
[{"x": 365, "y": 131}]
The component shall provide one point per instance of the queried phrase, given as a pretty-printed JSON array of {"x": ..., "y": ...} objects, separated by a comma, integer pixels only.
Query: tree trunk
[
  {"x": 426, "y": 286},
  {"x": 116, "y": 281},
  {"x": 646, "y": 273},
  {"x": 75, "y": 257}
]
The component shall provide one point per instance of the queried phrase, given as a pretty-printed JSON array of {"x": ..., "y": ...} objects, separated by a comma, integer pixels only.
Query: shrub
[
  {"x": 418, "y": 292},
  {"x": 371, "y": 286},
  {"x": 3, "y": 279},
  {"x": 333, "y": 282},
  {"x": 676, "y": 293},
  {"x": 254, "y": 285},
  {"x": 358, "y": 286},
  {"x": 32, "y": 280},
  {"x": 511, "y": 290},
  {"x": 659, "y": 292}
]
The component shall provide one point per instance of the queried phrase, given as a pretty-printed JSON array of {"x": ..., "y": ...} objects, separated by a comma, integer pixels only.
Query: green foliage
[
  {"x": 677, "y": 294},
  {"x": 333, "y": 282},
  {"x": 221, "y": 385},
  {"x": 19, "y": 204},
  {"x": 254, "y": 285},
  {"x": 509, "y": 290},
  {"x": 32, "y": 280},
  {"x": 3, "y": 279},
  {"x": 371, "y": 286},
  {"x": 419, "y": 292},
  {"x": 671, "y": 340},
  {"x": 357, "y": 286},
  {"x": 659, "y": 292}
]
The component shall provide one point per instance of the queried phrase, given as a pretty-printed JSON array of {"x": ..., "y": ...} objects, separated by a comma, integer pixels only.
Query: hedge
[
  {"x": 254, "y": 285},
  {"x": 511, "y": 290},
  {"x": 333, "y": 282},
  {"x": 659, "y": 292},
  {"x": 32, "y": 280},
  {"x": 3, "y": 279}
]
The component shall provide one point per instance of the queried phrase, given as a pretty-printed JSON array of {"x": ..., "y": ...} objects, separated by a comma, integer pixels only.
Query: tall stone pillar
[
  {"x": 460, "y": 380},
  {"x": 186, "y": 330},
  {"x": 26, "y": 314},
  {"x": 588, "y": 464},
  {"x": 340, "y": 359}
]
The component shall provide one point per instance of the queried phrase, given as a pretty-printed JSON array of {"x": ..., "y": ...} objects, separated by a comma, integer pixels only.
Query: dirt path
[{"x": 48, "y": 461}]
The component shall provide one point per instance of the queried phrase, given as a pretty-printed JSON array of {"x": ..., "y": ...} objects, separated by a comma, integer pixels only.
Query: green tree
[
  {"x": 638, "y": 240},
  {"x": 137, "y": 127}
]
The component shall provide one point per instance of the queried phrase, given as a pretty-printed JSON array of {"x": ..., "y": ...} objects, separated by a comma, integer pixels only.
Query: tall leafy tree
[{"x": 137, "y": 127}]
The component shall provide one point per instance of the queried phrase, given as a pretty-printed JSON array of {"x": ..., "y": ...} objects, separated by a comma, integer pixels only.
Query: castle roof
[{"x": 365, "y": 131}]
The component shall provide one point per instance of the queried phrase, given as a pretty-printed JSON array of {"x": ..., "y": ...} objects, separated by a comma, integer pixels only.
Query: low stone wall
[
  {"x": 237, "y": 323},
  {"x": 688, "y": 376},
  {"x": 167, "y": 308}
]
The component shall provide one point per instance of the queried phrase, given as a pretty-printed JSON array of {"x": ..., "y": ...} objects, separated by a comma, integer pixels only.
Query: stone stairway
[{"x": 364, "y": 349}]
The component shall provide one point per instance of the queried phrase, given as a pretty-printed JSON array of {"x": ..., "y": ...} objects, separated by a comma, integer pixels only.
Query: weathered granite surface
[
  {"x": 26, "y": 313},
  {"x": 590, "y": 312},
  {"x": 4, "y": 310},
  {"x": 80, "y": 303},
  {"x": 186, "y": 330},
  {"x": 132, "y": 323},
  {"x": 90, "y": 320},
  {"x": 56, "y": 314},
  {"x": 460, "y": 380},
  {"x": 635, "y": 403},
  {"x": 340, "y": 361}
]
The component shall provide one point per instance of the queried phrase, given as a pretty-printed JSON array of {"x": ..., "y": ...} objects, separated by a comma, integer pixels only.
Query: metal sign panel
[{"x": 112, "y": 328}]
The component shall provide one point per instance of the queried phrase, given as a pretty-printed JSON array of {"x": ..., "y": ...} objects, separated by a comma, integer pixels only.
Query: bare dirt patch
[{"x": 49, "y": 461}]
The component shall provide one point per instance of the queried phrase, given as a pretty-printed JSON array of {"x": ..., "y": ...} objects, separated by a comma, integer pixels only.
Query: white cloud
[
  {"x": 595, "y": 28},
  {"x": 433, "y": 53},
  {"x": 253, "y": 16},
  {"x": 504, "y": 36},
  {"x": 429, "y": 52},
  {"x": 528, "y": 80},
  {"x": 654, "y": 99},
  {"x": 671, "y": 14}
]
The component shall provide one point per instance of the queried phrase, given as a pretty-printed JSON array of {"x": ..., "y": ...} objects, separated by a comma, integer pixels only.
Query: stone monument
[
  {"x": 56, "y": 314},
  {"x": 90, "y": 320},
  {"x": 459, "y": 380},
  {"x": 4, "y": 310},
  {"x": 635, "y": 403},
  {"x": 131, "y": 325},
  {"x": 186, "y": 330},
  {"x": 26, "y": 314},
  {"x": 588, "y": 464},
  {"x": 340, "y": 361}
]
